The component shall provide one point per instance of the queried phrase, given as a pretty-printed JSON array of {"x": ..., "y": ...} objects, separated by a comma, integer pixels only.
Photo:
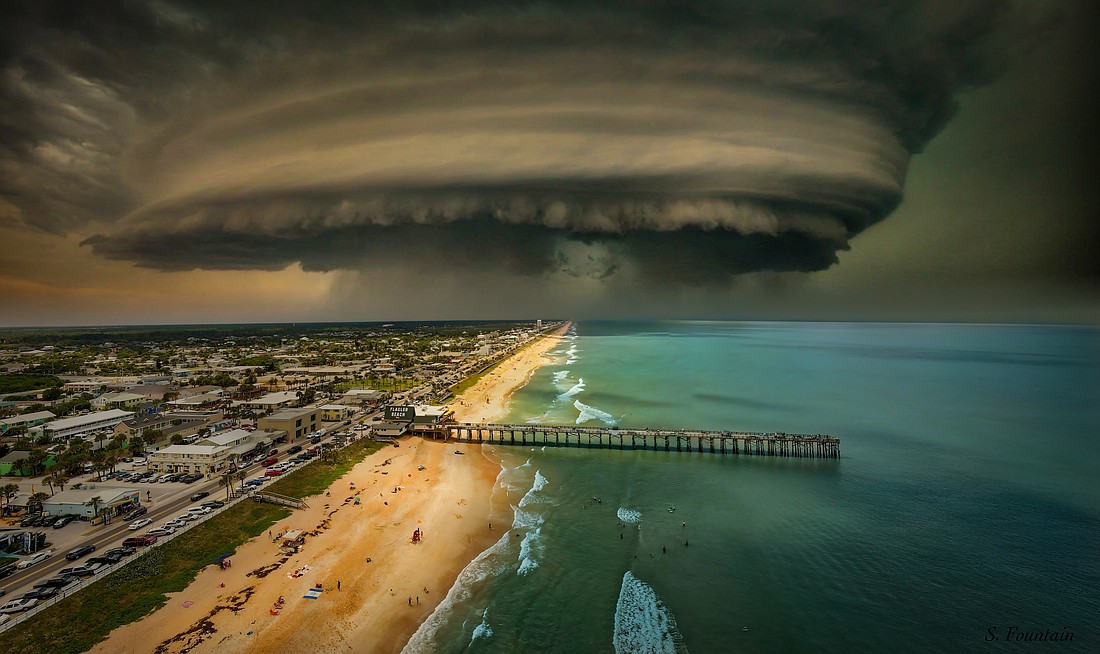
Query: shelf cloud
[{"x": 685, "y": 142}]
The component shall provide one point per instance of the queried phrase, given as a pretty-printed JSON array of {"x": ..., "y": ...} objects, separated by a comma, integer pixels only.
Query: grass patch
[
  {"x": 78, "y": 622},
  {"x": 318, "y": 475}
]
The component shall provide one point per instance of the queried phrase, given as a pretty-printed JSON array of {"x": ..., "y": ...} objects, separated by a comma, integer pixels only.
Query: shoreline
[{"x": 380, "y": 604}]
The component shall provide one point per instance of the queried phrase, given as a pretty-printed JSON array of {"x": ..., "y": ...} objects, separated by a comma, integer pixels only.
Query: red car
[
  {"x": 271, "y": 460},
  {"x": 272, "y": 473},
  {"x": 139, "y": 541}
]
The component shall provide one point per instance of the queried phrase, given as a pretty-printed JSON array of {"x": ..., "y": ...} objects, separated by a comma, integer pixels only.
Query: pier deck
[{"x": 807, "y": 446}]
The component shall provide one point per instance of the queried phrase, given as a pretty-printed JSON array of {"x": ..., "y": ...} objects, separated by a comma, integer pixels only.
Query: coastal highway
[{"x": 22, "y": 581}]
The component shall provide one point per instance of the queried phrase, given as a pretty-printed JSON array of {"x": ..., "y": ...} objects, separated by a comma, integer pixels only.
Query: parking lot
[{"x": 166, "y": 500}]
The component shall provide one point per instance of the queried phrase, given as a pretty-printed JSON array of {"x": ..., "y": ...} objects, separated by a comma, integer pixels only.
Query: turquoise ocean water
[{"x": 967, "y": 500}]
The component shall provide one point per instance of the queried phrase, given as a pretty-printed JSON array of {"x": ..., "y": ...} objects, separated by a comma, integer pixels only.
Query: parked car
[
  {"x": 64, "y": 521},
  {"x": 294, "y": 450},
  {"x": 122, "y": 551},
  {"x": 271, "y": 460},
  {"x": 186, "y": 517},
  {"x": 213, "y": 504},
  {"x": 163, "y": 530},
  {"x": 199, "y": 495},
  {"x": 49, "y": 520},
  {"x": 79, "y": 552},
  {"x": 272, "y": 472},
  {"x": 138, "y": 524},
  {"x": 17, "y": 605},
  {"x": 200, "y": 510},
  {"x": 106, "y": 558},
  {"x": 86, "y": 570},
  {"x": 140, "y": 541},
  {"x": 34, "y": 559},
  {"x": 272, "y": 452},
  {"x": 42, "y": 593},
  {"x": 7, "y": 570},
  {"x": 315, "y": 440},
  {"x": 57, "y": 582}
]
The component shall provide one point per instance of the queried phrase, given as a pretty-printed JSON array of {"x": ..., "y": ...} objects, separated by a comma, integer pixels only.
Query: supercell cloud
[{"x": 678, "y": 141}]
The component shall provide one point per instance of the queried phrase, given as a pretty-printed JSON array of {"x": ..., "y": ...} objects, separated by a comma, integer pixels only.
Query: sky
[{"x": 169, "y": 162}]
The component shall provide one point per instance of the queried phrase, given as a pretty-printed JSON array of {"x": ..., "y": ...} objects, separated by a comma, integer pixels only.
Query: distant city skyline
[{"x": 194, "y": 163}]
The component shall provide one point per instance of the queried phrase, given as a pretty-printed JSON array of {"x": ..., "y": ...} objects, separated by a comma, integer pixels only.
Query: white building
[
  {"x": 81, "y": 425},
  {"x": 26, "y": 420},
  {"x": 112, "y": 501},
  {"x": 210, "y": 454},
  {"x": 271, "y": 401}
]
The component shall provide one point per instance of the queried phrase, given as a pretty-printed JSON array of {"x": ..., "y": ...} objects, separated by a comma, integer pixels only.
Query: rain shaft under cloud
[{"x": 679, "y": 141}]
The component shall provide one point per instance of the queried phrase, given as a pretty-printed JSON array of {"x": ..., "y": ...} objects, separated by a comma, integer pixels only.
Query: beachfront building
[
  {"x": 424, "y": 419},
  {"x": 84, "y": 502},
  {"x": 335, "y": 412},
  {"x": 389, "y": 429},
  {"x": 78, "y": 426},
  {"x": 27, "y": 420},
  {"x": 211, "y": 454},
  {"x": 295, "y": 422}
]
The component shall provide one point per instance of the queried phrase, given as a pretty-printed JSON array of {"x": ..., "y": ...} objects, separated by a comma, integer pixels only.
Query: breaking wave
[
  {"x": 592, "y": 413},
  {"x": 539, "y": 484},
  {"x": 530, "y": 551},
  {"x": 577, "y": 388},
  {"x": 629, "y": 516},
  {"x": 643, "y": 624},
  {"x": 483, "y": 630},
  {"x": 485, "y": 565}
]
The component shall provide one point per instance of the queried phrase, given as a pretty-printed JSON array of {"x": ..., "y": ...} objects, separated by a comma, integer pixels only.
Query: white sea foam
[
  {"x": 576, "y": 388},
  {"x": 526, "y": 519},
  {"x": 487, "y": 564},
  {"x": 643, "y": 624},
  {"x": 525, "y": 464},
  {"x": 539, "y": 484},
  {"x": 560, "y": 375},
  {"x": 629, "y": 516},
  {"x": 483, "y": 630},
  {"x": 530, "y": 551},
  {"x": 592, "y": 413}
]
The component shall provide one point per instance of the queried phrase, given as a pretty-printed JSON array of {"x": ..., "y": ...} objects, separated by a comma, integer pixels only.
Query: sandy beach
[{"x": 378, "y": 586}]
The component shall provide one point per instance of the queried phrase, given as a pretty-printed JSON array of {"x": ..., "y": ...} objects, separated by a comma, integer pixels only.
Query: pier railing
[{"x": 808, "y": 446}]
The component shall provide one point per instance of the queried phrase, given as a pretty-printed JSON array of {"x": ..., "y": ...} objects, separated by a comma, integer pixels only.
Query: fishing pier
[{"x": 801, "y": 446}]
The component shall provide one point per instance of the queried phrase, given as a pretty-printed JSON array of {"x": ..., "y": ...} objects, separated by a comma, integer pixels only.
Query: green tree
[
  {"x": 8, "y": 493},
  {"x": 51, "y": 394},
  {"x": 176, "y": 439},
  {"x": 34, "y": 504},
  {"x": 227, "y": 482},
  {"x": 94, "y": 503}
]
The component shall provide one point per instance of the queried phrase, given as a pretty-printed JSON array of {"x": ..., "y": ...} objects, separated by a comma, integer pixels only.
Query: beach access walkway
[{"x": 802, "y": 446}]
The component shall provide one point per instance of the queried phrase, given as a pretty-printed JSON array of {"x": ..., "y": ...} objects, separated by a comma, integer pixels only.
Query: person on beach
[
  {"x": 337, "y": 584},
  {"x": 410, "y": 600}
]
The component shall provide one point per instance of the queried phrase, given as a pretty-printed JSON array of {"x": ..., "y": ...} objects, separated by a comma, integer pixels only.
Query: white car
[
  {"x": 175, "y": 524},
  {"x": 186, "y": 517},
  {"x": 164, "y": 530},
  {"x": 33, "y": 559},
  {"x": 17, "y": 605},
  {"x": 199, "y": 510},
  {"x": 138, "y": 524}
]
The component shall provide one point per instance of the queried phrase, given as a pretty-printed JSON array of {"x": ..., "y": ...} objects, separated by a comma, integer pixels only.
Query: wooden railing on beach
[
  {"x": 805, "y": 446},
  {"x": 283, "y": 500}
]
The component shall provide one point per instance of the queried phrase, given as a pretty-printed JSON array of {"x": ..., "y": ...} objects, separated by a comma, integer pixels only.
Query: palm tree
[
  {"x": 227, "y": 481},
  {"x": 61, "y": 480},
  {"x": 36, "y": 501},
  {"x": 240, "y": 476},
  {"x": 94, "y": 503},
  {"x": 8, "y": 492},
  {"x": 49, "y": 480}
]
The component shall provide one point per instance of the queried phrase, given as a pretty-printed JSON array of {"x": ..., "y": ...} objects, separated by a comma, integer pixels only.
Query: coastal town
[{"x": 111, "y": 442}]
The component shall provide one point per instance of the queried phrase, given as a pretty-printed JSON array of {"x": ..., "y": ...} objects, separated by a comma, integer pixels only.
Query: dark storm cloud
[{"x": 685, "y": 141}]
